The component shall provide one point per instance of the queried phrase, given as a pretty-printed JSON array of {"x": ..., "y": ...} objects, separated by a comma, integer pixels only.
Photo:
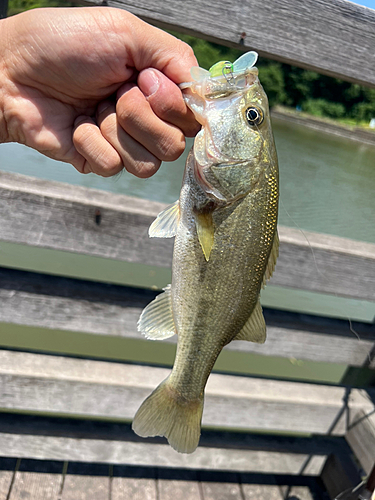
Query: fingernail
[{"x": 150, "y": 82}]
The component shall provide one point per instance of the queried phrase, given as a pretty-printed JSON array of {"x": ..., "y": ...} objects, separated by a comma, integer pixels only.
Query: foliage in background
[{"x": 287, "y": 85}]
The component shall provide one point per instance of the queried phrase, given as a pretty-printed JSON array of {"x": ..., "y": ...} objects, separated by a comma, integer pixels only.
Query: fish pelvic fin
[
  {"x": 272, "y": 259},
  {"x": 166, "y": 223},
  {"x": 165, "y": 413},
  {"x": 156, "y": 321},
  {"x": 205, "y": 231},
  {"x": 254, "y": 329}
]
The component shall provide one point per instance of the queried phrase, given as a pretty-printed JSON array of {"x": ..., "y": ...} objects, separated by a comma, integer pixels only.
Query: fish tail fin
[{"x": 164, "y": 413}]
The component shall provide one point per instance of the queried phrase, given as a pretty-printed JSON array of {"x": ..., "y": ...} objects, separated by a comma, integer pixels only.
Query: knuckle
[
  {"x": 108, "y": 126},
  {"x": 82, "y": 134},
  {"x": 186, "y": 50},
  {"x": 108, "y": 168},
  {"x": 144, "y": 169},
  {"x": 171, "y": 149},
  {"x": 127, "y": 108}
]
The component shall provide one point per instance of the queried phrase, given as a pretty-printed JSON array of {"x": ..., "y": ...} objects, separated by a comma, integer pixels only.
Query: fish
[{"x": 226, "y": 244}]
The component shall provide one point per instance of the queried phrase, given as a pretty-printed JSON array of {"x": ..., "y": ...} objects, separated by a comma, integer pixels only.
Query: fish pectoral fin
[
  {"x": 166, "y": 223},
  {"x": 254, "y": 329},
  {"x": 205, "y": 231},
  {"x": 272, "y": 259},
  {"x": 156, "y": 321}
]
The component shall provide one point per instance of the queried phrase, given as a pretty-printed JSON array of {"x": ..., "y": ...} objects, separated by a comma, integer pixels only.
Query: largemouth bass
[{"x": 226, "y": 245}]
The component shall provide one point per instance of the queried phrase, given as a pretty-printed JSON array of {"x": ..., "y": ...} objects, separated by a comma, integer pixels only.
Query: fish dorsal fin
[
  {"x": 205, "y": 231},
  {"x": 272, "y": 259},
  {"x": 254, "y": 329},
  {"x": 156, "y": 321},
  {"x": 166, "y": 223}
]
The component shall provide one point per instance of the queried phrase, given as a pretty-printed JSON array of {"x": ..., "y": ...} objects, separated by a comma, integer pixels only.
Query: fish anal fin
[
  {"x": 254, "y": 329},
  {"x": 272, "y": 259},
  {"x": 166, "y": 223},
  {"x": 205, "y": 231},
  {"x": 156, "y": 321}
]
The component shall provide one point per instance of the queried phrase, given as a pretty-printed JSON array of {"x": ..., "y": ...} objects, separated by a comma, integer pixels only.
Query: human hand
[{"x": 95, "y": 87}]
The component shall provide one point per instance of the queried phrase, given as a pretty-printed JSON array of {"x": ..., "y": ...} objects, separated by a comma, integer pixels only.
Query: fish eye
[{"x": 254, "y": 115}]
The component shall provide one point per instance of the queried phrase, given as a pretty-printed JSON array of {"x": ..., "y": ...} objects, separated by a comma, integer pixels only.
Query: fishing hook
[{"x": 228, "y": 73}]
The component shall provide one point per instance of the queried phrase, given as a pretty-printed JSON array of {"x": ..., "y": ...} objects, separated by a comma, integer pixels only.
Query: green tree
[{"x": 272, "y": 78}]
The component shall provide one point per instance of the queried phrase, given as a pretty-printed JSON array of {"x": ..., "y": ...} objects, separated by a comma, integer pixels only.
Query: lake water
[{"x": 327, "y": 183}]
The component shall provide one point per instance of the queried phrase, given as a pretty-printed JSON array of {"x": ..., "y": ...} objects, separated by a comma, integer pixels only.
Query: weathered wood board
[
  {"x": 134, "y": 488},
  {"x": 62, "y": 217},
  {"x": 125, "y": 466},
  {"x": 36, "y": 486},
  {"x": 335, "y": 38},
  {"x": 361, "y": 438},
  {"x": 77, "y": 487},
  {"x": 162, "y": 455},
  {"x": 338, "y": 475},
  {"x": 52, "y": 302},
  {"x": 44, "y": 480},
  {"x": 35, "y": 383}
]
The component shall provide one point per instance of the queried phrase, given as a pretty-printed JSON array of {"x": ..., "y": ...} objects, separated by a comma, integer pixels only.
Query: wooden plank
[
  {"x": 170, "y": 489},
  {"x": 221, "y": 491},
  {"x": 77, "y": 487},
  {"x": 36, "y": 486},
  {"x": 82, "y": 440},
  {"x": 361, "y": 438},
  {"x": 296, "y": 492},
  {"x": 52, "y": 302},
  {"x": 5, "y": 482},
  {"x": 335, "y": 38},
  {"x": 146, "y": 454},
  {"x": 339, "y": 474},
  {"x": 62, "y": 386},
  {"x": 62, "y": 217},
  {"x": 261, "y": 492},
  {"x": 134, "y": 488},
  {"x": 325, "y": 263}
]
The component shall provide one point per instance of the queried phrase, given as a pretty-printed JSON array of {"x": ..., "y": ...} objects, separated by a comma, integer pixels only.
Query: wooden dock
[
  {"x": 73, "y": 368},
  {"x": 64, "y": 409}
]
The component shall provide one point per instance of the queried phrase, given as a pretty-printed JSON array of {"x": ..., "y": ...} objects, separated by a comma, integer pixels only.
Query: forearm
[{"x": 3, "y": 82}]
